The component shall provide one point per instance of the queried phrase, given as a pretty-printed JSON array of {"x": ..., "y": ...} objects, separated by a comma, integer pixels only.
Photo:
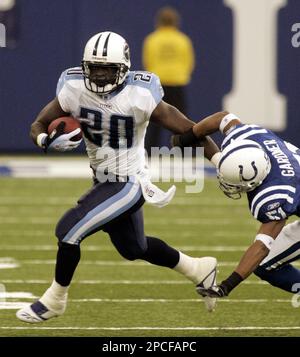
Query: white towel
[{"x": 154, "y": 195}]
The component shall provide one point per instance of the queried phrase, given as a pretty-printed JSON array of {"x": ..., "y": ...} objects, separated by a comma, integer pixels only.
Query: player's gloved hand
[
  {"x": 59, "y": 141},
  {"x": 215, "y": 291},
  {"x": 223, "y": 289},
  {"x": 184, "y": 140},
  {"x": 64, "y": 142}
]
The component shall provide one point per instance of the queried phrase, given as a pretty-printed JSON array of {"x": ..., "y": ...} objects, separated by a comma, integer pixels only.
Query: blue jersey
[{"x": 278, "y": 197}]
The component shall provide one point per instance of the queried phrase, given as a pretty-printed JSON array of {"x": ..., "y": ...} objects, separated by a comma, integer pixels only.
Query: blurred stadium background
[{"x": 247, "y": 61}]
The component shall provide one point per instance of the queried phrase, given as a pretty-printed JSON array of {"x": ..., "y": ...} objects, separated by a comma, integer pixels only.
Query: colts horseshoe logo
[{"x": 241, "y": 172}]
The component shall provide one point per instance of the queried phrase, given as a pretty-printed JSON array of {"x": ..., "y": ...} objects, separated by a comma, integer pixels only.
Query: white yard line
[
  {"x": 21, "y": 233},
  {"x": 8, "y": 263},
  {"x": 113, "y": 263},
  {"x": 27, "y": 220},
  {"x": 154, "y": 328},
  {"x": 247, "y": 301},
  {"x": 186, "y": 234},
  {"x": 157, "y": 222},
  {"x": 71, "y": 200},
  {"x": 96, "y": 248},
  {"x": 29, "y": 296},
  {"x": 118, "y": 282},
  {"x": 12, "y": 305},
  {"x": 16, "y": 295}
]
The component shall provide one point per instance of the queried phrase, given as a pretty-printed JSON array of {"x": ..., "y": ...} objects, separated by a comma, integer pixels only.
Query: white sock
[
  {"x": 186, "y": 266},
  {"x": 55, "y": 298},
  {"x": 58, "y": 290}
]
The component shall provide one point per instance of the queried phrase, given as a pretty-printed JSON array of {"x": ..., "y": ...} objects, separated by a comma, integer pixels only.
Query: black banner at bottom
[{"x": 134, "y": 346}]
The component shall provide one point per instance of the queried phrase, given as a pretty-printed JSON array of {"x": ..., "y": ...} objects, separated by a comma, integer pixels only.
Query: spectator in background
[{"x": 168, "y": 53}]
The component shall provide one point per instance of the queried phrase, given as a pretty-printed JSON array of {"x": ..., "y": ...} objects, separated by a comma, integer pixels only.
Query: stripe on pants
[{"x": 105, "y": 212}]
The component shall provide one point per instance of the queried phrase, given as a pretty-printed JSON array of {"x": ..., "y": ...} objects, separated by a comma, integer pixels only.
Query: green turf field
[{"x": 114, "y": 297}]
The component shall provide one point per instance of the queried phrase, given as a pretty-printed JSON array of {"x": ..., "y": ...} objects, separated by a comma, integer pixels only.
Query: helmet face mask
[
  {"x": 243, "y": 167},
  {"x": 235, "y": 191},
  {"x": 101, "y": 78},
  {"x": 106, "y": 62}
]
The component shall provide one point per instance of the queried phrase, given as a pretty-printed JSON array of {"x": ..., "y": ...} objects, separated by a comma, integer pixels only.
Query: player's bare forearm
[
  {"x": 209, "y": 125},
  {"x": 259, "y": 250},
  {"x": 205, "y": 127},
  {"x": 251, "y": 259},
  {"x": 49, "y": 113},
  {"x": 172, "y": 119}
]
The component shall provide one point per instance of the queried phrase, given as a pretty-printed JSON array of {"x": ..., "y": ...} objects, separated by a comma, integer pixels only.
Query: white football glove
[{"x": 63, "y": 142}]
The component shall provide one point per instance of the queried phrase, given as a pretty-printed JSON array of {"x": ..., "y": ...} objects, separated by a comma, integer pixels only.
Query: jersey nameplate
[{"x": 281, "y": 158}]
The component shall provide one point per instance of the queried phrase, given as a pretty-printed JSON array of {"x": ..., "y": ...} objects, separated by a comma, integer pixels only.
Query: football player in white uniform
[
  {"x": 257, "y": 162},
  {"x": 114, "y": 107}
]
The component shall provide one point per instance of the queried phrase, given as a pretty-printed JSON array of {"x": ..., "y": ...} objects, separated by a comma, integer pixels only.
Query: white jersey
[{"x": 114, "y": 125}]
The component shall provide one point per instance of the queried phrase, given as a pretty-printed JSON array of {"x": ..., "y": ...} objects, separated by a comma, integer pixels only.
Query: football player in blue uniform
[
  {"x": 114, "y": 106},
  {"x": 257, "y": 162}
]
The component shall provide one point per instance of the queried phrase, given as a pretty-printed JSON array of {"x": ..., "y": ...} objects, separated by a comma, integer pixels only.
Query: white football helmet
[
  {"x": 105, "y": 50},
  {"x": 242, "y": 167}
]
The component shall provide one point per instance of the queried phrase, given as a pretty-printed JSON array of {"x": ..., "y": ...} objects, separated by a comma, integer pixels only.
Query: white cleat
[
  {"x": 36, "y": 312},
  {"x": 206, "y": 277}
]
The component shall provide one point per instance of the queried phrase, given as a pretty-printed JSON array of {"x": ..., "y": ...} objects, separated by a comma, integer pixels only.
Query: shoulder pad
[
  {"x": 148, "y": 81},
  {"x": 74, "y": 73}
]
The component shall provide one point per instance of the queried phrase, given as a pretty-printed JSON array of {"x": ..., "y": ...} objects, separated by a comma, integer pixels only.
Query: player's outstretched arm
[
  {"x": 172, "y": 119},
  {"x": 222, "y": 121},
  {"x": 253, "y": 256}
]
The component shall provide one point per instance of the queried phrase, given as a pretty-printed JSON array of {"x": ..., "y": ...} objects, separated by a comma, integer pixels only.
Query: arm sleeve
[{"x": 272, "y": 210}]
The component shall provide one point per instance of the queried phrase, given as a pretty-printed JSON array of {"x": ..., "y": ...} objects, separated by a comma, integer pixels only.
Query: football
[{"x": 71, "y": 124}]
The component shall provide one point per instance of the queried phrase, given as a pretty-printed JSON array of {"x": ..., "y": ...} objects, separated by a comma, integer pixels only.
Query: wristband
[
  {"x": 226, "y": 120},
  {"x": 40, "y": 140},
  {"x": 265, "y": 239},
  {"x": 231, "y": 282}
]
